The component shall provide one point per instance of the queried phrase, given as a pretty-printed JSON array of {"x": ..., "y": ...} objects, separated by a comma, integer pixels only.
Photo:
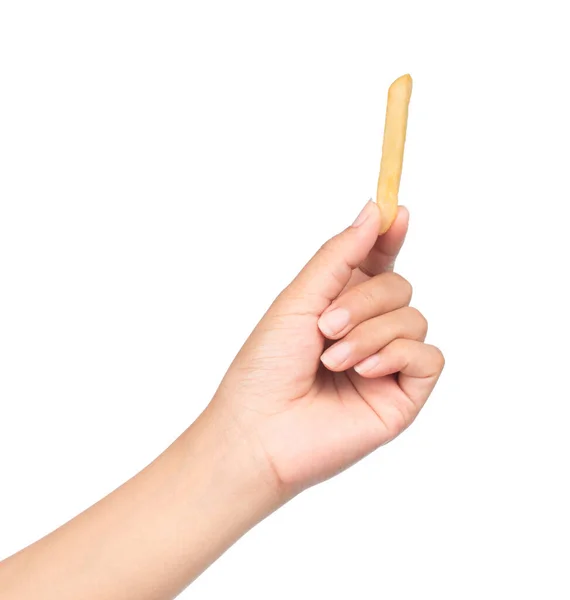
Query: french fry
[{"x": 393, "y": 150}]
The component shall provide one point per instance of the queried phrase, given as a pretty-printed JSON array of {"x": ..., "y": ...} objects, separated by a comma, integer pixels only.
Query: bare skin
[{"x": 336, "y": 368}]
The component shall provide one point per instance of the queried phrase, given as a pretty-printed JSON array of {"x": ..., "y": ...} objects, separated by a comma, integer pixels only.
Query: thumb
[{"x": 327, "y": 273}]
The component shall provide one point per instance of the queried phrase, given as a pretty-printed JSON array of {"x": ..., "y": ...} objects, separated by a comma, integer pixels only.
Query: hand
[{"x": 310, "y": 414}]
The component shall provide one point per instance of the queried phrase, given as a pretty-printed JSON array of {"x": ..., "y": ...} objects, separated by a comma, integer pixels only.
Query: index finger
[{"x": 385, "y": 251}]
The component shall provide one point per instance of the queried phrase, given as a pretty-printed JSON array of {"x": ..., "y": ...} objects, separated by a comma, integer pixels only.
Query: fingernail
[
  {"x": 365, "y": 213},
  {"x": 367, "y": 364},
  {"x": 334, "y": 321},
  {"x": 336, "y": 355}
]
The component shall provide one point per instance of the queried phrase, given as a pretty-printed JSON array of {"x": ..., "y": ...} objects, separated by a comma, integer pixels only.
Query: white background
[{"x": 167, "y": 167}]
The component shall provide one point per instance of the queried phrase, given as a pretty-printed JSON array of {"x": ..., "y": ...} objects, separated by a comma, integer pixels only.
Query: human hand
[{"x": 309, "y": 414}]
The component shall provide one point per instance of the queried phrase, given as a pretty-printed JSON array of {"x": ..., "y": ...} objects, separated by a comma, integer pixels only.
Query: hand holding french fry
[{"x": 338, "y": 365}]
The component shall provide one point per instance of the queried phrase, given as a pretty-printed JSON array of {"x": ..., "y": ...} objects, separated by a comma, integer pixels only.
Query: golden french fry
[{"x": 393, "y": 150}]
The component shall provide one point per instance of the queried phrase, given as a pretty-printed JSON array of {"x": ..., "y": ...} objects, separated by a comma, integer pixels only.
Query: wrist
[{"x": 233, "y": 476}]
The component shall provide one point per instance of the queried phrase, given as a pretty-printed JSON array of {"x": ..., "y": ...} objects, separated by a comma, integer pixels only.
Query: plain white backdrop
[{"x": 167, "y": 167}]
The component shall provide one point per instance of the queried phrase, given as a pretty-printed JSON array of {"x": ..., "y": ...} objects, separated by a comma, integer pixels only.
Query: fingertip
[
  {"x": 403, "y": 214},
  {"x": 401, "y": 221},
  {"x": 375, "y": 220},
  {"x": 328, "y": 365},
  {"x": 333, "y": 322},
  {"x": 365, "y": 374},
  {"x": 366, "y": 226},
  {"x": 367, "y": 215},
  {"x": 368, "y": 365},
  {"x": 392, "y": 240},
  {"x": 336, "y": 357}
]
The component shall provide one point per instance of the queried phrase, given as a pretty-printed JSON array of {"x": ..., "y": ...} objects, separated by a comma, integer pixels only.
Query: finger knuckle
[
  {"x": 363, "y": 295},
  {"x": 404, "y": 285},
  {"x": 333, "y": 244},
  {"x": 398, "y": 347},
  {"x": 418, "y": 318},
  {"x": 439, "y": 358},
  {"x": 329, "y": 246}
]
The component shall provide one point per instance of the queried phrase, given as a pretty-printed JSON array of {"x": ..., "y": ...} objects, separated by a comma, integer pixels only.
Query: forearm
[{"x": 155, "y": 534}]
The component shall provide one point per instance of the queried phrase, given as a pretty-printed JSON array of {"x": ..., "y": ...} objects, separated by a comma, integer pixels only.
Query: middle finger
[{"x": 379, "y": 295}]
